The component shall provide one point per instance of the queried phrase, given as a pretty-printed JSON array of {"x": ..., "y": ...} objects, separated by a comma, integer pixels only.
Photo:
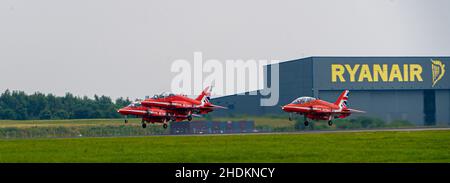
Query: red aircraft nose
[
  {"x": 121, "y": 111},
  {"x": 287, "y": 108}
]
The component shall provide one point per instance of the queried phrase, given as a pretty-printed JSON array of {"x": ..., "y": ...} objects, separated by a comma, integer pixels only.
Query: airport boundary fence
[{"x": 84, "y": 131}]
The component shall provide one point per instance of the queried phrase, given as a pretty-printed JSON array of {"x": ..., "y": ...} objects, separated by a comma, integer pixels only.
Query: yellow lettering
[
  {"x": 405, "y": 72},
  {"x": 415, "y": 71},
  {"x": 395, "y": 73},
  {"x": 337, "y": 70},
  {"x": 365, "y": 73},
  {"x": 351, "y": 71},
  {"x": 378, "y": 71}
]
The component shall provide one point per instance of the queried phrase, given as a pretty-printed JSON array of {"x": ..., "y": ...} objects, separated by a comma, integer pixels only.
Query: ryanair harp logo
[{"x": 438, "y": 70}]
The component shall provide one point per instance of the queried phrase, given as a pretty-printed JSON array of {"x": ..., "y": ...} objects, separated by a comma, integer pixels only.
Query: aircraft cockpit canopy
[
  {"x": 303, "y": 100},
  {"x": 135, "y": 104},
  {"x": 162, "y": 95}
]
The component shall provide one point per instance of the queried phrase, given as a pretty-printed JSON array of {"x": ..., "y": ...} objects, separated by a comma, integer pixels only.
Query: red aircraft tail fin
[
  {"x": 204, "y": 95},
  {"x": 342, "y": 100}
]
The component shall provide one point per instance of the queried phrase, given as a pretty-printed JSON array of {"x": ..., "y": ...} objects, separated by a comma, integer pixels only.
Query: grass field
[
  {"x": 275, "y": 122},
  {"x": 414, "y": 146}
]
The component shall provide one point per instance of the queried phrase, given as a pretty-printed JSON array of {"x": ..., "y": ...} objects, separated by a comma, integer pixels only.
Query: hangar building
[{"x": 416, "y": 89}]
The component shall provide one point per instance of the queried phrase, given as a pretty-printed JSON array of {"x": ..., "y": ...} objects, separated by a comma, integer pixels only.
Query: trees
[
  {"x": 19, "y": 105},
  {"x": 7, "y": 114},
  {"x": 61, "y": 114},
  {"x": 45, "y": 114}
]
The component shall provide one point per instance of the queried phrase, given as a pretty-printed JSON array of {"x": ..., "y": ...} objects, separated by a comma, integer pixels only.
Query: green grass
[{"x": 419, "y": 146}]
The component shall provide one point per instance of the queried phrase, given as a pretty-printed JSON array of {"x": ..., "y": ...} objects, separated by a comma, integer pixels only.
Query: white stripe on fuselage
[
  {"x": 316, "y": 109},
  {"x": 175, "y": 104}
]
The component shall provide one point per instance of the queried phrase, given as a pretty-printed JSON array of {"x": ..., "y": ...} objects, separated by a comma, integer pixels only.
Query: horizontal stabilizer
[
  {"x": 212, "y": 106},
  {"x": 196, "y": 115},
  {"x": 357, "y": 111}
]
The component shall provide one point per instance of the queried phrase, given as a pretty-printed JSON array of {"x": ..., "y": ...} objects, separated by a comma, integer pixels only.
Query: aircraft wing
[
  {"x": 302, "y": 108},
  {"x": 134, "y": 112},
  {"x": 321, "y": 109},
  {"x": 312, "y": 109},
  {"x": 327, "y": 110},
  {"x": 170, "y": 105},
  {"x": 148, "y": 112},
  {"x": 324, "y": 109}
]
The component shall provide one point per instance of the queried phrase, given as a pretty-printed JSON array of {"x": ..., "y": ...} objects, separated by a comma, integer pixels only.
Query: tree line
[{"x": 17, "y": 105}]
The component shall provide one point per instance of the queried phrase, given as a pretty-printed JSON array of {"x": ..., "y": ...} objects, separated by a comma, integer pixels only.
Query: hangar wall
[
  {"x": 390, "y": 88},
  {"x": 417, "y": 91},
  {"x": 238, "y": 104},
  {"x": 384, "y": 104},
  {"x": 412, "y": 73},
  {"x": 295, "y": 80},
  {"x": 443, "y": 107}
]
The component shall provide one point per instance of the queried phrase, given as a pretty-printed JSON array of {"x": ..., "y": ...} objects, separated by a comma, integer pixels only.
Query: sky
[{"x": 125, "y": 48}]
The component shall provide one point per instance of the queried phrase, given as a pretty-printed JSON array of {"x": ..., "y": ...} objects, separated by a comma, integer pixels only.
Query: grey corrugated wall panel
[
  {"x": 388, "y": 105},
  {"x": 237, "y": 105},
  {"x": 295, "y": 80},
  {"x": 443, "y": 107}
]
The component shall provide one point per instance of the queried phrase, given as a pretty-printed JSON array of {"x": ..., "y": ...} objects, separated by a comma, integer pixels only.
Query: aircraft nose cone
[{"x": 286, "y": 108}]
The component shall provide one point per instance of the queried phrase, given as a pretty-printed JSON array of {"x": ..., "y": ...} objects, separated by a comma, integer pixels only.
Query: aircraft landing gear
[
  {"x": 144, "y": 125},
  {"x": 189, "y": 118},
  {"x": 306, "y": 123},
  {"x": 165, "y": 125},
  {"x": 330, "y": 123},
  {"x": 126, "y": 119},
  {"x": 290, "y": 117}
]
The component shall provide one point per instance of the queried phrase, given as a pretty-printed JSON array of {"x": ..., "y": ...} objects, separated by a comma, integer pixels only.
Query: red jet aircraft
[
  {"x": 183, "y": 104},
  {"x": 317, "y": 109},
  {"x": 169, "y": 107}
]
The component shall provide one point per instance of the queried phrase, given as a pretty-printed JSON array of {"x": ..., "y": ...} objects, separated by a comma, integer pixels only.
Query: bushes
[
  {"x": 360, "y": 122},
  {"x": 340, "y": 124},
  {"x": 399, "y": 124},
  {"x": 81, "y": 131}
]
